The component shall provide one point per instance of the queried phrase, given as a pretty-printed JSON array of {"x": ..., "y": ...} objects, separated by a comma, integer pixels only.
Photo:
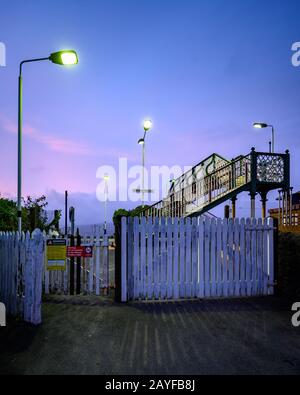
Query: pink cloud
[
  {"x": 52, "y": 142},
  {"x": 63, "y": 145}
]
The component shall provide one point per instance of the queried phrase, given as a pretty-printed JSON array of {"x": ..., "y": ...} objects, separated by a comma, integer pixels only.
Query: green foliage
[
  {"x": 8, "y": 215},
  {"x": 129, "y": 213},
  {"x": 33, "y": 215}
]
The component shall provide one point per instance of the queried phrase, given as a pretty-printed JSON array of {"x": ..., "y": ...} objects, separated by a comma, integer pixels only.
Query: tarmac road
[{"x": 92, "y": 335}]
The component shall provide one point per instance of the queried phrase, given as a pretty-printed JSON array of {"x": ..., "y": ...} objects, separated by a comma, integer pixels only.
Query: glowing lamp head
[
  {"x": 260, "y": 125},
  {"x": 64, "y": 58},
  {"x": 106, "y": 177},
  {"x": 147, "y": 125},
  {"x": 141, "y": 142}
]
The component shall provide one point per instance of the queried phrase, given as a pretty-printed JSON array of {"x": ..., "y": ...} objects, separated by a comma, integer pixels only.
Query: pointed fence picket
[{"x": 171, "y": 258}]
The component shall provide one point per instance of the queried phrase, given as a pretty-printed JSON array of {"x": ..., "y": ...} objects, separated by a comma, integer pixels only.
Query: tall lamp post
[
  {"x": 142, "y": 142},
  {"x": 261, "y": 125},
  {"x": 67, "y": 57},
  {"x": 106, "y": 179}
]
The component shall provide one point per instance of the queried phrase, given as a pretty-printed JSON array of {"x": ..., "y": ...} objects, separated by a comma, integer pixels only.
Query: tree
[
  {"x": 33, "y": 215},
  {"x": 8, "y": 215},
  {"x": 129, "y": 213}
]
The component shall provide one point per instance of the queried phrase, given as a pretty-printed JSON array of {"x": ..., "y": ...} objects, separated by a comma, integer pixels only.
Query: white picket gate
[
  {"x": 171, "y": 258},
  {"x": 94, "y": 271},
  {"x": 21, "y": 267}
]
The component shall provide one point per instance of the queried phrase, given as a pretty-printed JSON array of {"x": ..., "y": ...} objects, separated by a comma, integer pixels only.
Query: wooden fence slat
[
  {"x": 242, "y": 259},
  {"x": 225, "y": 258},
  {"x": 230, "y": 257},
  {"x": 98, "y": 246},
  {"x": 188, "y": 259},
  {"x": 254, "y": 257},
  {"x": 143, "y": 258},
  {"x": 163, "y": 260},
  {"x": 201, "y": 229},
  {"x": 194, "y": 274},
  {"x": 170, "y": 230},
  {"x": 156, "y": 259},
  {"x": 91, "y": 274},
  {"x": 248, "y": 256},
  {"x": 149, "y": 258},
  {"x": 182, "y": 255},
  {"x": 176, "y": 260},
  {"x": 38, "y": 242},
  {"x": 219, "y": 258},
  {"x": 104, "y": 262},
  {"x": 136, "y": 248},
  {"x": 271, "y": 257},
  {"x": 265, "y": 268},
  {"x": 207, "y": 258},
  {"x": 259, "y": 256},
  {"x": 236, "y": 261},
  {"x": 130, "y": 257},
  {"x": 124, "y": 263},
  {"x": 213, "y": 292}
]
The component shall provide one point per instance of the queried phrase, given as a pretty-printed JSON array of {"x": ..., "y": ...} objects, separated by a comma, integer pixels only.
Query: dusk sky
[{"x": 202, "y": 70}]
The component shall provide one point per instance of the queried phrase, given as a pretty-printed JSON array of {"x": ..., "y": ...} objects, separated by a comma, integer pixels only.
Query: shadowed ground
[{"x": 90, "y": 335}]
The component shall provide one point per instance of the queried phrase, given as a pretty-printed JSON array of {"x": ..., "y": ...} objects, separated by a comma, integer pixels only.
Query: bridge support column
[
  {"x": 233, "y": 202},
  {"x": 264, "y": 204},
  {"x": 252, "y": 195}
]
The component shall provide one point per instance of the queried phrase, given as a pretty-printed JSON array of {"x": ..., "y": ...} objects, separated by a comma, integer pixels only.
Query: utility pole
[
  {"x": 66, "y": 213},
  {"x": 72, "y": 243}
]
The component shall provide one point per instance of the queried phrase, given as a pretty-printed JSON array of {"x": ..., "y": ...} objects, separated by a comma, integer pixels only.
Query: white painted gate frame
[{"x": 216, "y": 258}]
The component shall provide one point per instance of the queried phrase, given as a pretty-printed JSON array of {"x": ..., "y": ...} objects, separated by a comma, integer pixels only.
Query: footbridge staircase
[{"x": 216, "y": 180}]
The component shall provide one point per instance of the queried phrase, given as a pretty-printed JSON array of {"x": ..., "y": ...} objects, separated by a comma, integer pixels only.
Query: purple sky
[{"x": 202, "y": 70}]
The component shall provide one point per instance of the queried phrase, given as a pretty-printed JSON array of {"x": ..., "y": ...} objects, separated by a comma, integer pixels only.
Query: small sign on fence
[
  {"x": 56, "y": 254},
  {"x": 80, "y": 252}
]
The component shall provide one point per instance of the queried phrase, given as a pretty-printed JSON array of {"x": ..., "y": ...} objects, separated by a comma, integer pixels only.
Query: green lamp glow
[{"x": 64, "y": 58}]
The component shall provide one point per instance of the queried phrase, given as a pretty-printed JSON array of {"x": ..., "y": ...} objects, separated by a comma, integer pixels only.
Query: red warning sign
[{"x": 80, "y": 252}]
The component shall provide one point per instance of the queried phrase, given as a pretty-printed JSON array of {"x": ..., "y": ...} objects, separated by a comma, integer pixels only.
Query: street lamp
[
  {"x": 64, "y": 58},
  {"x": 261, "y": 125},
  {"x": 147, "y": 126},
  {"x": 106, "y": 179}
]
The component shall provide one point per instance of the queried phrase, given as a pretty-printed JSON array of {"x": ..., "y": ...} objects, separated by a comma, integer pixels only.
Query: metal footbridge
[{"x": 216, "y": 180}]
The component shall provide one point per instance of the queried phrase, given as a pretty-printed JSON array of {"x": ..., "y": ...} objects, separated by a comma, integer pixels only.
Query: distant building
[{"x": 289, "y": 218}]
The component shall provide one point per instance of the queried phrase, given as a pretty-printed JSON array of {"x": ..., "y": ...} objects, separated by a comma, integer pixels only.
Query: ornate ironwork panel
[{"x": 270, "y": 168}]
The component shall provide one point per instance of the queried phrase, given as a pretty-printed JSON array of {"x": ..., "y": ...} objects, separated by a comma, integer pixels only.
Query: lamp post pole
[
  {"x": 142, "y": 141},
  {"x": 273, "y": 139},
  {"x": 62, "y": 58},
  {"x": 20, "y": 111},
  {"x": 105, "y": 203},
  {"x": 20, "y": 116},
  {"x": 261, "y": 125},
  {"x": 143, "y": 171}
]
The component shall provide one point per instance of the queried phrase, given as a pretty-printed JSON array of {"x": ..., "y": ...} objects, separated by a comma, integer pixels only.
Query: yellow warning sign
[{"x": 56, "y": 254}]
